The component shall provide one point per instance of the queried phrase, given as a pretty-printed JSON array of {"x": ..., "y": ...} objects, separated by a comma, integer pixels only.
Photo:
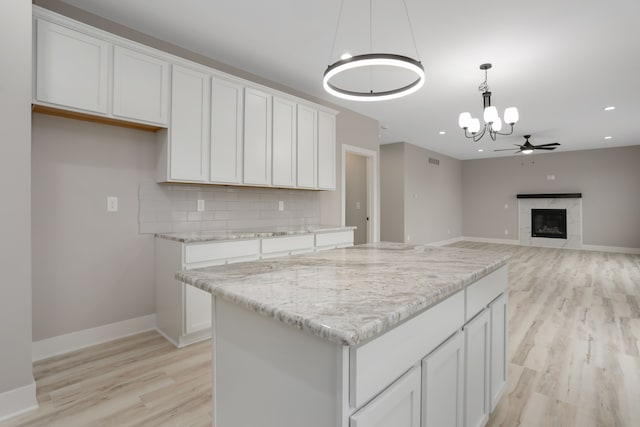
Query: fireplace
[{"x": 551, "y": 223}]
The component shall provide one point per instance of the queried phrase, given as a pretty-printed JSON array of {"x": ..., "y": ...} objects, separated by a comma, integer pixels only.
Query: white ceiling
[{"x": 559, "y": 62}]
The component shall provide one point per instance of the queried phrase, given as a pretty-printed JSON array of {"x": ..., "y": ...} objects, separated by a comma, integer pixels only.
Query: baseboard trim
[
  {"x": 18, "y": 401},
  {"x": 447, "y": 242},
  {"x": 488, "y": 240},
  {"x": 61, "y": 344},
  {"x": 616, "y": 249}
]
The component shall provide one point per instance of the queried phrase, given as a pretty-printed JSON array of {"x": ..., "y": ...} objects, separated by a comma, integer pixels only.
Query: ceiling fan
[{"x": 527, "y": 147}]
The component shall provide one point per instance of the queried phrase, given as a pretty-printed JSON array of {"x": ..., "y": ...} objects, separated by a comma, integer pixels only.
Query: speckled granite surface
[
  {"x": 347, "y": 295},
  {"x": 206, "y": 236}
]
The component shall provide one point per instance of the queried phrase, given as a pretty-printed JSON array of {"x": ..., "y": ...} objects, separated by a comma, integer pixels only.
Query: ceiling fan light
[
  {"x": 497, "y": 125},
  {"x": 464, "y": 120},
  {"x": 490, "y": 114},
  {"x": 474, "y": 125},
  {"x": 511, "y": 115},
  {"x": 527, "y": 151}
]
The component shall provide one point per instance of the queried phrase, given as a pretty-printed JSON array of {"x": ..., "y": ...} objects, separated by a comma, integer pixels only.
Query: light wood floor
[{"x": 574, "y": 352}]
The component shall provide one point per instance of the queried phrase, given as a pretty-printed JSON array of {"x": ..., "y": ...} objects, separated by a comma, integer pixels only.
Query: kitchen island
[{"x": 375, "y": 335}]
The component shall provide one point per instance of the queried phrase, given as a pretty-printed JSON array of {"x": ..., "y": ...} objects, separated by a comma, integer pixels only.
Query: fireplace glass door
[{"x": 551, "y": 223}]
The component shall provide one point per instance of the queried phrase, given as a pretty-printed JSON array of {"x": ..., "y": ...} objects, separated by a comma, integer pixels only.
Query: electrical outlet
[
  {"x": 506, "y": 231},
  {"x": 448, "y": 231},
  {"x": 551, "y": 177},
  {"x": 506, "y": 205},
  {"x": 112, "y": 204},
  {"x": 281, "y": 205},
  {"x": 200, "y": 206},
  {"x": 408, "y": 237}
]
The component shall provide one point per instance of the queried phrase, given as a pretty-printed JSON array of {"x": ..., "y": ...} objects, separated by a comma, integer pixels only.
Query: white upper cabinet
[
  {"x": 326, "y": 151},
  {"x": 71, "y": 68},
  {"x": 140, "y": 86},
  {"x": 189, "y": 130},
  {"x": 257, "y": 137},
  {"x": 226, "y": 131},
  {"x": 284, "y": 143},
  {"x": 307, "y": 147}
]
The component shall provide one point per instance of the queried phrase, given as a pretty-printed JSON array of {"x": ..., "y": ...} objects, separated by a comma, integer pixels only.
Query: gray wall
[
  {"x": 15, "y": 208},
  {"x": 90, "y": 266},
  {"x": 431, "y": 195},
  {"x": 356, "y": 196},
  {"x": 392, "y": 192},
  {"x": 609, "y": 180}
]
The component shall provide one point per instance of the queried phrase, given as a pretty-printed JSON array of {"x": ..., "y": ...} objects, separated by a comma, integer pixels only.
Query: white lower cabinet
[
  {"x": 498, "y": 349},
  {"x": 397, "y": 406},
  {"x": 443, "y": 385},
  {"x": 477, "y": 369}
]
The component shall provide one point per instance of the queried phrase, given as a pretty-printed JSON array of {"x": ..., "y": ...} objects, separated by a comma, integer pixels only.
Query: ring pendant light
[{"x": 374, "y": 60}]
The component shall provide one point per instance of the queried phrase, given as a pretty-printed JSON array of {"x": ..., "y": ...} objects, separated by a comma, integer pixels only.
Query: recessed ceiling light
[
  {"x": 480, "y": 150},
  {"x": 611, "y": 108},
  {"x": 442, "y": 132},
  {"x": 608, "y": 137},
  {"x": 346, "y": 55}
]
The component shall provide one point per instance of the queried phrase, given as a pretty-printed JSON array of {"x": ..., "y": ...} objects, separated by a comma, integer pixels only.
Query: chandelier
[
  {"x": 492, "y": 122},
  {"x": 373, "y": 60}
]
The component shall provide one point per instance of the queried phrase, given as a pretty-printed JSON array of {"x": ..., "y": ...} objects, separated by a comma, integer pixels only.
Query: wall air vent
[{"x": 433, "y": 161}]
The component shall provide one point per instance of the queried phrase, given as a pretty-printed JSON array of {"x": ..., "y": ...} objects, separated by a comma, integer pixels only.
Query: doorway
[{"x": 359, "y": 193}]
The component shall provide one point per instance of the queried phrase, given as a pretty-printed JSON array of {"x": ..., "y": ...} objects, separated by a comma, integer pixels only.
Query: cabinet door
[
  {"x": 188, "y": 134},
  {"x": 197, "y": 310},
  {"x": 226, "y": 132},
  {"x": 71, "y": 68},
  {"x": 307, "y": 147},
  {"x": 397, "y": 406},
  {"x": 443, "y": 385},
  {"x": 284, "y": 143},
  {"x": 140, "y": 86},
  {"x": 257, "y": 137},
  {"x": 498, "y": 348},
  {"x": 326, "y": 151},
  {"x": 477, "y": 368}
]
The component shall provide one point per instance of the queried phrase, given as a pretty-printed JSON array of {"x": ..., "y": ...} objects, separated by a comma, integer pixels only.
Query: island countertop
[{"x": 348, "y": 295}]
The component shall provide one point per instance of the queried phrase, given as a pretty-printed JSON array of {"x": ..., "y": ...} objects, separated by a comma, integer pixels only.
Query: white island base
[{"x": 446, "y": 366}]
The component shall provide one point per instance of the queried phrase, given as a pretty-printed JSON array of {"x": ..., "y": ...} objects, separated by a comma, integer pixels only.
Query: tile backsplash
[{"x": 168, "y": 208}]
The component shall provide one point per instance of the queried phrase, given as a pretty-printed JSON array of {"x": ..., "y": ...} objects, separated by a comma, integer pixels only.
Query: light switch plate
[
  {"x": 112, "y": 204},
  {"x": 200, "y": 207},
  {"x": 281, "y": 205},
  {"x": 358, "y": 205}
]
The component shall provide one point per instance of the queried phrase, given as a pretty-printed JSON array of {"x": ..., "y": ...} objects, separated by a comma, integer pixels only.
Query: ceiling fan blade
[
  {"x": 544, "y": 148},
  {"x": 509, "y": 149},
  {"x": 554, "y": 144}
]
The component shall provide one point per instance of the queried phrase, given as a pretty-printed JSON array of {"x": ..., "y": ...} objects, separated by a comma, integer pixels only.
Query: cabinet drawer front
[
  {"x": 379, "y": 362},
  {"x": 340, "y": 239},
  {"x": 221, "y": 250},
  {"x": 287, "y": 244},
  {"x": 485, "y": 290},
  {"x": 399, "y": 405}
]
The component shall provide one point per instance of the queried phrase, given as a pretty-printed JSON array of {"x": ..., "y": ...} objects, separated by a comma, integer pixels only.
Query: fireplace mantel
[{"x": 551, "y": 196}]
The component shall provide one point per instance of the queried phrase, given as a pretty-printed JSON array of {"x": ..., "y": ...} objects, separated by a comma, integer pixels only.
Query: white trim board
[
  {"x": 18, "y": 401},
  {"x": 77, "y": 340},
  {"x": 447, "y": 242}
]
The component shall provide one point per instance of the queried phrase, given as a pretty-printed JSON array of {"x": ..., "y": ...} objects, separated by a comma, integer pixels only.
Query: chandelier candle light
[{"x": 493, "y": 123}]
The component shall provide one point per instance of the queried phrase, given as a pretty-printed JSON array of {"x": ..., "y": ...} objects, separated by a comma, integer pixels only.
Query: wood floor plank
[{"x": 573, "y": 353}]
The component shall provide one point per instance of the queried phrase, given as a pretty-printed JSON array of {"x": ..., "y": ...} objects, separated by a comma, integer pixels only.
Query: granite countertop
[
  {"x": 348, "y": 295},
  {"x": 206, "y": 236}
]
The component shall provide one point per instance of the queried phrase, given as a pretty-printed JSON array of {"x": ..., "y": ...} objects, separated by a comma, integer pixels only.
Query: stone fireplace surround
[{"x": 572, "y": 202}]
